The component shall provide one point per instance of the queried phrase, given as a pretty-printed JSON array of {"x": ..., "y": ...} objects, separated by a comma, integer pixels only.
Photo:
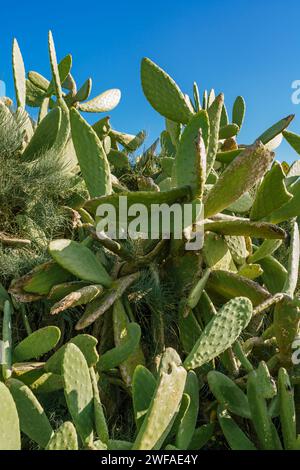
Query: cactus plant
[{"x": 181, "y": 350}]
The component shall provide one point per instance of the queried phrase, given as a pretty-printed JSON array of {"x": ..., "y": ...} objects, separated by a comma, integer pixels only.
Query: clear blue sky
[{"x": 242, "y": 47}]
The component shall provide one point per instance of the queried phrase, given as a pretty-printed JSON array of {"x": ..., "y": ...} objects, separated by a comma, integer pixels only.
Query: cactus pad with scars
[
  {"x": 80, "y": 297},
  {"x": 99, "y": 306},
  {"x": 221, "y": 332},
  {"x": 167, "y": 397},
  {"x": 239, "y": 176}
]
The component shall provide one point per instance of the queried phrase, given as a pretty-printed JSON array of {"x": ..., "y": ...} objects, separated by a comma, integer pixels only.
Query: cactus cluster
[{"x": 144, "y": 344}]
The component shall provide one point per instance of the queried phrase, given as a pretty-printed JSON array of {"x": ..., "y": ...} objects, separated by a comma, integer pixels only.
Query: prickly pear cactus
[
  {"x": 222, "y": 313},
  {"x": 221, "y": 332}
]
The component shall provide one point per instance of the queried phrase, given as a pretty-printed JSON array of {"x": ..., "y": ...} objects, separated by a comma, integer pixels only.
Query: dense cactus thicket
[{"x": 139, "y": 343}]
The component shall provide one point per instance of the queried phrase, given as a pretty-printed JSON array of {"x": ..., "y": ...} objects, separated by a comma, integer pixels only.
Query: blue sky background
[{"x": 249, "y": 48}]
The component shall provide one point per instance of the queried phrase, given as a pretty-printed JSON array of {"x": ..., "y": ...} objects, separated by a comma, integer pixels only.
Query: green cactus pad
[
  {"x": 87, "y": 345},
  {"x": 293, "y": 262},
  {"x": 99, "y": 417},
  {"x": 38, "y": 80},
  {"x": 190, "y": 161},
  {"x": 64, "y": 68},
  {"x": 188, "y": 421},
  {"x": 189, "y": 329},
  {"x": 167, "y": 397},
  {"x": 268, "y": 247},
  {"x": 265, "y": 429},
  {"x": 271, "y": 194},
  {"x": 163, "y": 93},
  {"x": 221, "y": 332},
  {"x": 120, "y": 324},
  {"x": 140, "y": 197},
  {"x": 214, "y": 115},
  {"x": 44, "y": 136},
  {"x": 41, "y": 279},
  {"x": 245, "y": 227},
  {"x": 130, "y": 142},
  {"x": 240, "y": 175},
  {"x": 293, "y": 139},
  {"x": 228, "y": 394},
  {"x": 274, "y": 275},
  {"x": 33, "y": 420},
  {"x": 91, "y": 156},
  {"x": 287, "y": 410},
  {"x": 290, "y": 209},
  {"x": 216, "y": 253},
  {"x": 54, "y": 67},
  {"x": 75, "y": 298},
  {"x": 230, "y": 285},
  {"x": 65, "y": 438},
  {"x": 276, "y": 129},
  {"x": 99, "y": 306},
  {"x": 19, "y": 75},
  {"x": 78, "y": 391},
  {"x": 143, "y": 389},
  {"x": 6, "y": 344},
  {"x": 251, "y": 271},
  {"x": 238, "y": 248},
  {"x": 121, "y": 353},
  {"x": 235, "y": 437},
  {"x": 265, "y": 381},
  {"x": 37, "y": 344},
  {"x": 201, "y": 436},
  {"x": 84, "y": 91},
  {"x": 79, "y": 260},
  {"x": 10, "y": 438},
  {"x": 59, "y": 291},
  {"x": 107, "y": 101},
  {"x": 238, "y": 111},
  {"x": 286, "y": 324},
  {"x": 228, "y": 131}
]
